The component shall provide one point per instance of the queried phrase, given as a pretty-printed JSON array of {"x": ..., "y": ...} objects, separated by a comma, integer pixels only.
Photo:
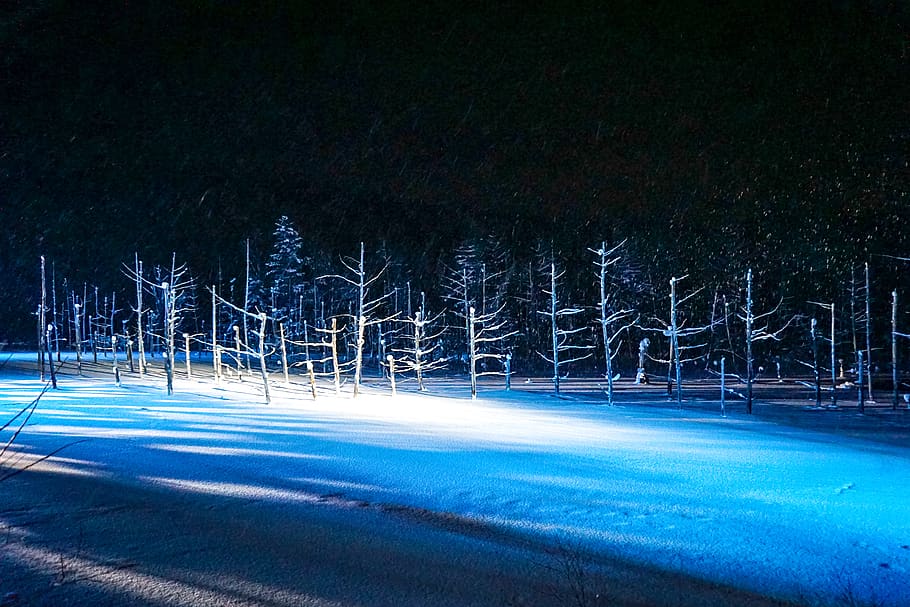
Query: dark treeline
[{"x": 762, "y": 135}]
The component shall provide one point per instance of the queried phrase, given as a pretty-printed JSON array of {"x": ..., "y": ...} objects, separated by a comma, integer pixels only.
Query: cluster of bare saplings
[{"x": 340, "y": 325}]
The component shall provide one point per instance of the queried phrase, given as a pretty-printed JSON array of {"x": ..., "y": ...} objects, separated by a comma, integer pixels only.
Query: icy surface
[{"x": 783, "y": 512}]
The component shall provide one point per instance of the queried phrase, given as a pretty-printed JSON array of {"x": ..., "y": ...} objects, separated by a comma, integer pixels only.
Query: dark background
[{"x": 765, "y": 134}]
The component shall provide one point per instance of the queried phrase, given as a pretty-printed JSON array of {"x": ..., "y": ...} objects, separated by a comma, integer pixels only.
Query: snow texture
[{"x": 499, "y": 484}]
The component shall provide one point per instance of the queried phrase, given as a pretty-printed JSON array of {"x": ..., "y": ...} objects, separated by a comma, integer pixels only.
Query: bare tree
[
  {"x": 486, "y": 335},
  {"x": 868, "y": 298},
  {"x": 674, "y": 330},
  {"x": 244, "y": 349},
  {"x": 561, "y": 337},
  {"x": 78, "y": 311},
  {"x": 140, "y": 313},
  {"x": 173, "y": 286},
  {"x": 756, "y": 334},
  {"x": 833, "y": 343},
  {"x": 477, "y": 279},
  {"x": 42, "y": 323},
  {"x": 894, "y": 335},
  {"x": 609, "y": 314},
  {"x": 420, "y": 345},
  {"x": 367, "y": 306}
]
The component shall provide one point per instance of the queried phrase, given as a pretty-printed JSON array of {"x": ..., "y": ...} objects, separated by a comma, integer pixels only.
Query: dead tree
[
  {"x": 894, "y": 335},
  {"x": 420, "y": 344},
  {"x": 367, "y": 306},
  {"x": 862, "y": 316},
  {"x": 756, "y": 334},
  {"x": 332, "y": 345},
  {"x": 173, "y": 286},
  {"x": 868, "y": 298},
  {"x": 560, "y": 337},
  {"x": 42, "y": 323},
  {"x": 244, "y": 349},
  {"x": 833, "y": 344},
  {"x": 140, "y": 312},
  {"x": 674, "y": 330},
  {"x": 486, "y": 335},
  {"x": 477, "y": 280},
  {"x": 56, "y": 331},
  {"x": 609, "y": 315},
  {"x": 77, "y": 327}
]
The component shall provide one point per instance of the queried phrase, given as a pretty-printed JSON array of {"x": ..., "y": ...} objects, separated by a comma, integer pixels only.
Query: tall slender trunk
[
  {"x": 42, "y": 324},
  {"x": 554, "y": 333},
  {"x": 336, "y": 372},
  {"x": 894, "y": 349},
  {"x": 674, "y": 340},
  {"x": 833, "y": 361},
  {"x": 749, "y": 337},
  {"x": 361, "y": 325},
  {"x": 140, "y": 335},
  {"x": 608, "y": 355},
  {"x": 262, "y": 368},
  {"x": 868, "y": 338},
  {"x": 816, "y": 374},
  {"x": 472, "y": 353},
  {"x": 246, "y": 303},
  {"x": 215, "y": 352}
]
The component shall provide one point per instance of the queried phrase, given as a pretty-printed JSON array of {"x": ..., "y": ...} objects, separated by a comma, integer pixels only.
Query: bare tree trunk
[
  {"x": 815, "y": 370},
  {"x": 246, "y": 303},
  {"x": 284, "y": 354},
  {"x": 853, "y": 332},
  {"x": 391, "y": 361},
  {"x": 215, "y": 352},
  {"x": 358, "y": 353},
  {"x": 554, "y": 334},
  {"x": 361, "y": 324},
  {"x": 336, "y": 372},
  {"x": 608, "y": 355},
  {"x": 50, "y": 361},
  {"x": 77, "y": 325},
  {"x": 42, "y": 325},
  {"x": 186, "y": 353},
  {"x": 894, "y": 349},
  {"x": 54, "y": 313},
  {"x": 139, "y": 313},
  {"x": 749, "y": 337},
  {"x": 217, "y": 360},
  {"x": 418, "y": 354},
  {"x": 472, "y": 352},
  {"x": 241, "y": 351},
  {"x": 833, "y": 361},
  {"x": 868, "y": 338},
  {"x": 168, "y": 336},
  {"x": 674, "y": 338},
  {"x": 723, "y": 387},
  {"x": 262, "y": 368},
  {"x": 312, "y": 374}
]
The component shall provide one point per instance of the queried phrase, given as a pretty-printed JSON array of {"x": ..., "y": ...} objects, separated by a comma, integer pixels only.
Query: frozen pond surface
[{"x": 211, "y": 497}]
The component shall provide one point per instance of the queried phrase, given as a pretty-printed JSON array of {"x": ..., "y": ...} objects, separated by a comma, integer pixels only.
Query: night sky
[{"x": 758, "y": 133}]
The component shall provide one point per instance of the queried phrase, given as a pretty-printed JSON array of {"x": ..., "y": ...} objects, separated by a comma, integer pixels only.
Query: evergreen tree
[{"x": 284, "y": 267}]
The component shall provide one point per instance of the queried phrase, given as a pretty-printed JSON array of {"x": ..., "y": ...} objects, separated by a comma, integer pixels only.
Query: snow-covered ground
[{"x": 211, "y": 497}]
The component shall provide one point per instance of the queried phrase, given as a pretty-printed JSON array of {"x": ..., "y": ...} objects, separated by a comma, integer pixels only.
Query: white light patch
[{"x": 234, "y": 451}]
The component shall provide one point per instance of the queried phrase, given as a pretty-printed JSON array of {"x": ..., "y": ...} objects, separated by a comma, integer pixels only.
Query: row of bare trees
[{"x": 334, "y": 324}]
